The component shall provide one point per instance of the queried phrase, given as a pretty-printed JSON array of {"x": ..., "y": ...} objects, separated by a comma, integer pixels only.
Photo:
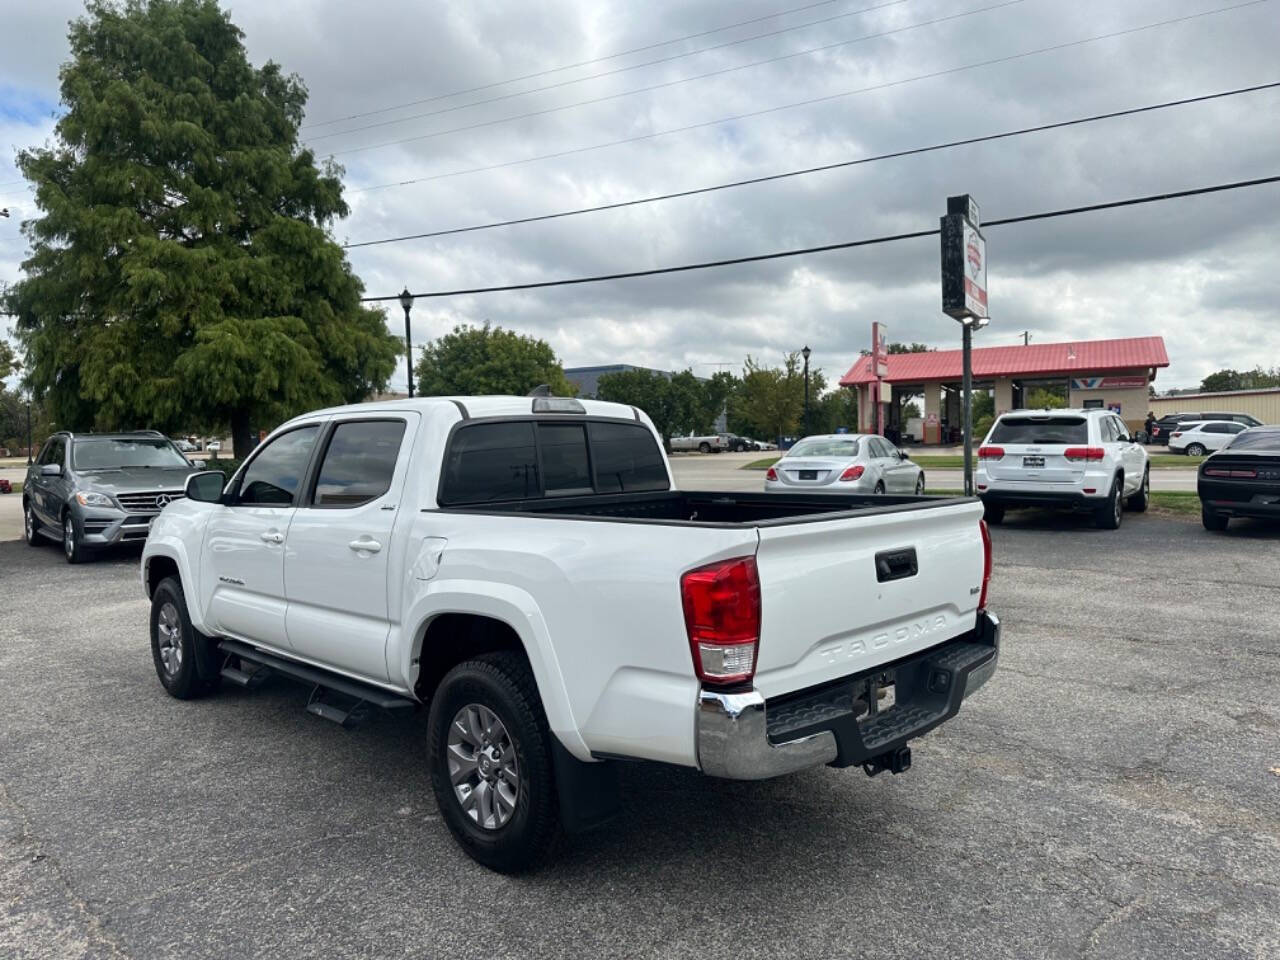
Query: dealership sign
[
  {"x": 879, "y": 349},
  {"x": 964, "y": 261},
  {"x": 1108, "y": 383}
]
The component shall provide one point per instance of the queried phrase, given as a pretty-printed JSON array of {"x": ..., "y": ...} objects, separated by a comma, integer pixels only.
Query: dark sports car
[{"x": 1242, "y": 479}]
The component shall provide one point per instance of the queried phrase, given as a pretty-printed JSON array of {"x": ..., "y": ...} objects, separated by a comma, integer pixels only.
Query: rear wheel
[
  {"x": 30, "y": 525},
  {"x": 879, "y": 487},
  {"x": 704, "y": 447},
  {"x": 920, "y": 484},
  {"x": 489, "y": 752},
  {"x": 1195, "y": 450},
  {"x": 1109, "y": 514},
  {"x": 1138, "y": 502},
  {"x": 994, "y": 514},
  {"x": 1213, "y": 521}
]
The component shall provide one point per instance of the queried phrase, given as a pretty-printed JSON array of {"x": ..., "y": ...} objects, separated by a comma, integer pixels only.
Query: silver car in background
[{"x": 844, "y": 463}]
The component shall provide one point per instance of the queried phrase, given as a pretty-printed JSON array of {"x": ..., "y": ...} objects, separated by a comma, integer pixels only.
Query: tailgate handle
[{"x": 896, "y": 564}]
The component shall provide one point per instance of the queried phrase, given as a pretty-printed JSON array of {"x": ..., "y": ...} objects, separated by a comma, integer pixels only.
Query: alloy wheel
[
  {"x": 483, "y": 767},
  {"x": 920, "y": 485},
  {"x": 169, "y": 639},
  {"x": 29, "y": 523},
  {"x": 69, "y": 536}
]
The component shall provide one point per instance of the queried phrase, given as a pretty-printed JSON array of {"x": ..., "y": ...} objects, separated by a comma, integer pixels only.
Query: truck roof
[{"x": 487, "y": 406}]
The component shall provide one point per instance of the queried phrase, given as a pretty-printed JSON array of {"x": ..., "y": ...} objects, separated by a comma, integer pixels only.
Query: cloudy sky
[{"x": 1204, "y": 272}]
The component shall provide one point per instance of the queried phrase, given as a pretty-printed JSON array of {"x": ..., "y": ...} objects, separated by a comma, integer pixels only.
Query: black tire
[
  {"x": 196, "y": 671},
  {"x": 994, "y": 514},
  {"x": 1139, "y": 501},
  {"x": 30, "y": 524},
  {"x": 72, "y": 547},
  {"x": 503, "y": 683},
  {"x": 1195, "y": 450},
  {"x": 920, "y": 484},
  {"x": 1213, "y": 521},
  {"x": 879, "y": 488},
  {"x": 704, "y": 447},
  {"x": 1108, "y": 515}
]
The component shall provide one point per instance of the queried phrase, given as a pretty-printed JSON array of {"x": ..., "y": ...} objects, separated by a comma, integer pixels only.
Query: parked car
[
  {"x": 706, "y": 443},
  {"x": 93, "y": 490},
  {"x": 1242, "y": 479},
  {"x": 1165, "y": 426},
  {"x": 736, "y": 444},
  {"x": 185, "y": 446},
  {"x": 764, "y": 445},
  {"x": 844, "y": 463},
  {"x": 1196, "y": 438},
  {"x": 527, "y": 569},
  {"x": 1075, "y": 459}
]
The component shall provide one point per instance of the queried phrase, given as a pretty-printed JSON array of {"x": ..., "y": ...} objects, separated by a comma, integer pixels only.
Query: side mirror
[
  {"x": 206, "y": 487},
  {"x": 51, "y": 470}
]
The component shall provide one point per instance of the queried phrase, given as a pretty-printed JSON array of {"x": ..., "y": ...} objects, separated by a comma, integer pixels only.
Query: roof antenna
[{"x": 541, "y": 390}]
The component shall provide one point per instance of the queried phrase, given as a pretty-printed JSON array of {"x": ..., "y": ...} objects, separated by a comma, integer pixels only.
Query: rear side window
[
  {"x": 492, "y": 461},
  {"x": 1041, "y": 430},
  {"x": 627, "y": 458},
  {"x": 359, "y": 463},
  {"x": 566, "y": 471},
  {"x": 272, "y": 477},
  {"x": 1256, "y": 440}
]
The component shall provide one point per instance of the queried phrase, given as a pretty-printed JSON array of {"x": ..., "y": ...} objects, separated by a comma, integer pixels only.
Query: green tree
[
  {"x": 1255, "y": 379},
  {"x": 770, "y": 400},
  {"x": 182, "y": 272},
  {"x": 648, "y": 390},
  {"x": 1044, "y": 398},
  {"x": 912, "y": 347},
  {"x": 489, "y": 360},
  {"x": 835, "y": 409}
]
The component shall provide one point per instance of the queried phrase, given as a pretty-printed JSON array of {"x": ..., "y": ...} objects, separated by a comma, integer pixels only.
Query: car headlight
[{"x": 91, "y": 499}]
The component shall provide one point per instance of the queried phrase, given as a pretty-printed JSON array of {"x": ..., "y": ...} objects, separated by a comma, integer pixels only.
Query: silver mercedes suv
[{"x": 92, "y": 490}]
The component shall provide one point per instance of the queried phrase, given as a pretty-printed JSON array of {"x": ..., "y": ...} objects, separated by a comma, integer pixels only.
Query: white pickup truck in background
[{"x": 526, "y": 568}]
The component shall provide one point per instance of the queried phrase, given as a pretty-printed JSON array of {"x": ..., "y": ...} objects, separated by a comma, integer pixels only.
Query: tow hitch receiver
[{"x": 895, "y": 761}]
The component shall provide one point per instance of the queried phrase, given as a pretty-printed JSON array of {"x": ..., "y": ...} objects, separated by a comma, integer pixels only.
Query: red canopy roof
[{"x": 1037, "y": 359}]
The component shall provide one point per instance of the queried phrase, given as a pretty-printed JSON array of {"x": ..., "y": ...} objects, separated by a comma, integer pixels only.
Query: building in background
[{"x": 1112, "y": 374}]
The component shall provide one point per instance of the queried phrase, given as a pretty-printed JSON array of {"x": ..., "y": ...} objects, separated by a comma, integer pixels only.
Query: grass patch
[{"x": 764, "y": 464}]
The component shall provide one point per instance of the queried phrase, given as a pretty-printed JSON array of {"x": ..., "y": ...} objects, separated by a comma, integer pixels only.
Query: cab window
[
  {"x": 359, "y": 463},
  {"x": 272, "y": 478}
]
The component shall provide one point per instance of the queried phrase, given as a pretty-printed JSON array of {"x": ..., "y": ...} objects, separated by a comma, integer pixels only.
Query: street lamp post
[
  {"x": 406, "y": 301},
  {"x": 805, "y": 353}
]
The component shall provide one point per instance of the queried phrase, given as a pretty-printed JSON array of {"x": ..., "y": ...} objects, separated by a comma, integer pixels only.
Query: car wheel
[
  {"x": 920, "y": 484},
  {"x": 185, "y": 659},
  {"x": 1109, "y": 514},
  {"x": 1195, "y": 450},
  {"x": 489, "y": 752},
  {"x": 1213, "y": 521},
  {"x": 704, "y": 448},
  {"x": 72, "y": 548},
  {"x": 879, "y": 489},
  {"x": 1138, "y": 502},
  {"x": 993, "y": 514},
  {"x": 30, "y": 525}
]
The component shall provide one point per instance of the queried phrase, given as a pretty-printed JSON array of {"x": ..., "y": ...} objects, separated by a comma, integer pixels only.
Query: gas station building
[{"x": 1111, "y": 374}]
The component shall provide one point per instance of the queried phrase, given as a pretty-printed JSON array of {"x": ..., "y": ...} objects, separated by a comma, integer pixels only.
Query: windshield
[
  {"x": 1041, "y": 430},
  {"x": 107, "y": 453},
  {"x": 825, "y": 447}
]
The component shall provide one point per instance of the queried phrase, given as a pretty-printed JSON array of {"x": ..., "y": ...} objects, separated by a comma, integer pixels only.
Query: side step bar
[{"x": 360, "y": 696}]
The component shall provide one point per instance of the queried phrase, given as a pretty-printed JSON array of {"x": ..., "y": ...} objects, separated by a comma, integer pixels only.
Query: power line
[
  {"x": 637, "y": 66},
  {"x": 570, "y": 66},
  {"x": 480, "y": 125},
  {"x": 846, "y": 245},
  {"x": 968, "y": 141},
  {"x": 809, "y": 102}
]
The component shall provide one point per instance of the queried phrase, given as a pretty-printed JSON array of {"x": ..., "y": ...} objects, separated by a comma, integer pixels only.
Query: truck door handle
[
  {"x": 272, "y": 536},
  {"x": 896, "y": 564},
  {"x": 365, "y": 544}
]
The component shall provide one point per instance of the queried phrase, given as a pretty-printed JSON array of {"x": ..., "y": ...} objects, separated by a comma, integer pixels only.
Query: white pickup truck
[{"x": 526, "y": 569}]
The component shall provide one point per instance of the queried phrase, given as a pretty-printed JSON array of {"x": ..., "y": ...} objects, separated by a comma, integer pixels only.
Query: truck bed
[{"x": 711, "y": 508}]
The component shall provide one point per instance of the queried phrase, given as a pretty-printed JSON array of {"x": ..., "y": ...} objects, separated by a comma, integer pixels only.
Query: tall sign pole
[
  {"x": 964, "y": 298},
  {"x": 880, "y": 370}
]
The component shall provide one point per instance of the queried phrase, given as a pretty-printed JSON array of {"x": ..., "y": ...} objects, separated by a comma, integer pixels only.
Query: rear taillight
[
  {"x": 986, "y": 564},
  {"x": 853, "y": 473},
  {"x": 771, "y": 474},
  {"x": 1176, "y": 434},
  {"x": 722, "y": 616},
  {"x": 990, "y": 453},
  {"x": 1237, "y": 474},
  {"x": 1084, "y": 453}
]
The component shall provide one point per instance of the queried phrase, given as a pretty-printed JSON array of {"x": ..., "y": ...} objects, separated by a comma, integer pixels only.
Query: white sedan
[
  {"x": 844, "y": 463},
  {"x": 1199, "y": 437}
]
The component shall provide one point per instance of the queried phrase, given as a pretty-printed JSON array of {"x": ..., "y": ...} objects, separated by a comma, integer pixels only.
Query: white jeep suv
[{"x": 1077, "y": 459}]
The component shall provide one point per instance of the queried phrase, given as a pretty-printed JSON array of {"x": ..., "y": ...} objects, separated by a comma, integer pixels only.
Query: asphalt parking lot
[{"x": 1113, "y": 792}]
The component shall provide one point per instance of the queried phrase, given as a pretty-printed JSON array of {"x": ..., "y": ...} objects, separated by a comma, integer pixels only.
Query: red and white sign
[
  {"x": 1108, "y": 383},
  {"x": 879, "y": 349},
  {"x": 975, "y": 271}
]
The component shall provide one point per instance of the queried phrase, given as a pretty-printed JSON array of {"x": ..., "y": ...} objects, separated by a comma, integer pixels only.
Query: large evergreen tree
[
  {"x": 182, "y": 273},
  {"x": 489, "y": 360}
]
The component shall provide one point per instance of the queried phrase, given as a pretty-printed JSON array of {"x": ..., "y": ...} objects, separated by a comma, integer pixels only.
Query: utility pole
[
  {"x": 1026, "y": 338},
  {"x": 805, "y": 353}
]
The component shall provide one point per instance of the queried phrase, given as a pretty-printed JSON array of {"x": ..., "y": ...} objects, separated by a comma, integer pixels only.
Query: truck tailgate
[{"x": 843, "y": 595}]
